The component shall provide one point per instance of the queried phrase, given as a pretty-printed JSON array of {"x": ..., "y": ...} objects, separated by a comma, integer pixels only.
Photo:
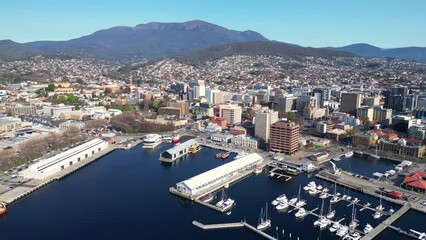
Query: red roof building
[
  {"x": 416, "y": 181},
  {"x": 390, "y": 135}
]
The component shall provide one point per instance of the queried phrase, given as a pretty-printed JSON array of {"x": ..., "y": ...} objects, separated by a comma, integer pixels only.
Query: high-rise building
[
  {"x": 211, "y": 95},
  {"x": 284, "y": 137},
  {"x": 263, "y": 122},
  {"x": 371, "y": 101},
  {"x": 381, "y": 114},
  {"x": 325, "y": 94},
  {"x": 350, "y": 102},
  {"x": 286, "y": 104},
  {"x": 182, "y": 105},
  {"x": 304, "y": 100},
  {"x": 412, "y": 100},
  {"x": 231, "y": 113},
  {"x": 396, "y": 98},
  {"x": 365, "y": 112},
  {"x": 198, "y": 88}
]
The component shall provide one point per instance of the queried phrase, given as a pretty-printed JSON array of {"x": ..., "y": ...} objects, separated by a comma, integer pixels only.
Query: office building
[
  {"x": 350, "y": 102},
  {"x": 21, "y": 111},
  {"x": 365, "y": 112},
  {"x": 284, "y": 137},
  {"x": 231, "y": 113},
  {"x": 382, "y": 115},
  {"x": 263, "y": 122}
]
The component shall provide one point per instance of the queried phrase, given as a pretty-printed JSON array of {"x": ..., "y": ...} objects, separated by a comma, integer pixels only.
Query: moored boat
[
  {"x": 264, "y": 221},
  {"x": 3, "y": 208},
  {"x": 367, "y": 228},
  {"x": 175, "y": 139},
  {"x": 194, "y": 148},
  {"x": 349, "y": 154}
]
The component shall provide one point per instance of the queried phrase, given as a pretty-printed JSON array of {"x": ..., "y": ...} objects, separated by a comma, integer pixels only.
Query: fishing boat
[
  {"x": 3, "y": 208},
  {"x": 258, "y": 170},
  {"x": 167, "y": 139},
  {"x": 225, "y": 203},
  {"x": 218, "y": 155},
  {"x": 194, "y": 148},
  {"x": 367, "y": 228},
  {"x": 225, "y": 155},
  {"x": 264, "y": 221}
]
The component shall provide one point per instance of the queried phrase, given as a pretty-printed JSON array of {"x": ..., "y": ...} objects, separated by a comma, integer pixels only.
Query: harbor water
[{"x": 124, "y": 195}]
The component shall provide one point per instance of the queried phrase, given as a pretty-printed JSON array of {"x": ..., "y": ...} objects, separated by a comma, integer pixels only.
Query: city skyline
[{"x": 307, "y": 23}]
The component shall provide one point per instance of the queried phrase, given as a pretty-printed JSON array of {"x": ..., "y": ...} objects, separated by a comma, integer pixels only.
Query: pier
[
  {"x": 177, "y": 151},
  {"x": 233, "y": 225},
  {"x": 382, "y": 226}
]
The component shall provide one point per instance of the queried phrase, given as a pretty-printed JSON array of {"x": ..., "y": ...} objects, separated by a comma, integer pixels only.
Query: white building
[
  {"x": 47, "y": 167},
  {"x": 263, "y": 122},
  {"x": 56, "y": 110},
  {"x": 200, "y": 183},
  {"x": 177, "y": 151},
  {"x": 245, "y": 141},
  {"x": 220, "y": 137},
  {"x": 213, "y": 128}
]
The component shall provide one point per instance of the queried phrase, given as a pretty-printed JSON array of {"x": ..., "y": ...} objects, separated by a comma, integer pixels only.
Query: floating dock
[
  {"x": 177, "y": 151},
  {"x": 233, "y": 225}
]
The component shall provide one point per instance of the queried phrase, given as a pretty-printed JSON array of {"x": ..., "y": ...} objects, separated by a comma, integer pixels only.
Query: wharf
[
  {"x": 233, "y": 225},
  {"x": 35, "y": 184},
  {"x": 382, "y": 226},
  {"x": 218, "y": 147},
  {"x": 407, "y": 233}
]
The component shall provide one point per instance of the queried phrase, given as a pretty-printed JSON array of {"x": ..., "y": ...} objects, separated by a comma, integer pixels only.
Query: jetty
[
  {"x": 242, "y": 224},
  {"x": 382, "y": 226}
]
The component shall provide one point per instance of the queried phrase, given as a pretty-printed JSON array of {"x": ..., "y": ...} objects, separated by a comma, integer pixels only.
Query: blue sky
[{"x": 316, "y": 23}]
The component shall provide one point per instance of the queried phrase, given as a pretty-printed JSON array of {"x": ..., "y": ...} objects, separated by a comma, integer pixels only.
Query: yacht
[
  {"x": 319, "y": 187},
  {"x": 334, "y": 199},
  {"x": 282, "y": 206},
  {"x": 342, "y": 231},
  {"x": 331, "y": 213},
  {"x": 334, "y": 227},
  {"x": 225, "y": 203},
  {"x": 349, "y": 154},
  {"x": 292, "y": 201},
  {"x": 391, "y": 211},
  {"x": 301, "y": 213},
  {"x": 380, "y": 207},
  {"x": 300, "y": 202},
  {"x": 313, "y": 192},
  {"x": 281, "y": 198},
  {"x": 264, "y": 221},
  {"x": 151, "y": 141},
  {"x": 275, "y": 202},
  {"x": 376, "y": 156},
  {"x": 354, "y": 221},
  {"x": 167, "y": 139},
  {"x": 323, "y": 195},
  {"x": 377, "y": 215},
  {"x": 367, "y": 228},
  {"x": 352, "y": 235}
]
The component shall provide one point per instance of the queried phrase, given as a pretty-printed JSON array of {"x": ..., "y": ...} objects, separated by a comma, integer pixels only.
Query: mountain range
[
  {"x": 366, "y": 50},
  {"x": 197, "y": 39}
]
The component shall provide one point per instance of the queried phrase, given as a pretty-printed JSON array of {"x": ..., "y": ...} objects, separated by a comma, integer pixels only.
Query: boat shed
[
  {"x": 200, "y": 183},
  {"x": 177, "y": 151},
  {"x": 47, "y": 167}
]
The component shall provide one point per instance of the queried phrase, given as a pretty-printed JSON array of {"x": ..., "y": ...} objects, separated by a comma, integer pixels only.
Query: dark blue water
[{"x": 125, "y": 195}]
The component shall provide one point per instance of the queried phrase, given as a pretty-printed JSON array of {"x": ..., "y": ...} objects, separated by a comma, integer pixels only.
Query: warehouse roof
[
  {"x": 180, "y": 147},
  {"x": 219, "y": 172}
]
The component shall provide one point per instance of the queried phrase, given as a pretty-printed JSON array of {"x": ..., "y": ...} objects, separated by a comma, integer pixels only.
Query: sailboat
[
  {"x": 322, "y": 221},
  {"x": 300, "y": 202},
  {"x": 331, "y": 213},
  {"x": 225, "y": 203},
  {"x": 335, "y": 198},
  {"x": 380, "y": 207},
  {"x": 264, "y": 221},
  {"x": 354, "y": 221},
  {"x": 376, "y": 156}
]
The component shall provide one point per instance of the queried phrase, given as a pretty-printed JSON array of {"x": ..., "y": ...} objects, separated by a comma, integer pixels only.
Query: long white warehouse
[
  {"x": 201, "y": 182},
  {"x": 47, "y": 167}
]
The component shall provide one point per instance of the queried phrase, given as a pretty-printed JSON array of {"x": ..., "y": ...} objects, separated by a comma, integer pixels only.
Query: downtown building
[
  {"x": 284, "y": 137},
  {"x": 263, "y": 122}
]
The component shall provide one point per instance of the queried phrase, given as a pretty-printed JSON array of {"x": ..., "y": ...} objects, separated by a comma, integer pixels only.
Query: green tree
[
  {"x": 50, "y": 87},
  {"x": 62, "y": 99},
  {"x": 72, "y": 98},
  {"x": 291, "y": 116},
  {"x": 367, "y": 124}
]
